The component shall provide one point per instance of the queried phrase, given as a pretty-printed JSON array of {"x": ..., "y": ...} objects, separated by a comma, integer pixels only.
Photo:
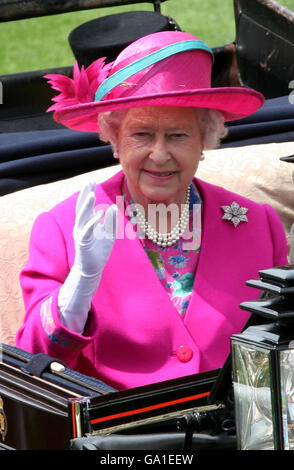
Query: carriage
[{"x": 44, "y": 405}]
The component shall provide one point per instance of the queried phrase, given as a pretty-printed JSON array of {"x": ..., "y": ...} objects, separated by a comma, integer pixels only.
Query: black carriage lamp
[{"x": 263, "y": 366}]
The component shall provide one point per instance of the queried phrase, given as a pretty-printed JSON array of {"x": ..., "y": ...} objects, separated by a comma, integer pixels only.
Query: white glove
[{"x": 93, "y": 245}]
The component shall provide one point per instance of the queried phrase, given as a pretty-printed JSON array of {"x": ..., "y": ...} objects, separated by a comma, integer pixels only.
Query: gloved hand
[{"x": 93, "y": 244}]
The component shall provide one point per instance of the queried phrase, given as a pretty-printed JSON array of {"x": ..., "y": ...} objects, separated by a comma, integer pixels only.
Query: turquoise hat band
[{"x": 123, "y": 74}]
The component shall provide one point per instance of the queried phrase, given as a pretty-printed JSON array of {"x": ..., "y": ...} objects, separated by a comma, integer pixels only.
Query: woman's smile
[{"x": 160, "y": 175}]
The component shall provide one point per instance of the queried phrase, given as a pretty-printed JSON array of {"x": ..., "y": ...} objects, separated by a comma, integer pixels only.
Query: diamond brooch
[{"x": 235, "y": 213}]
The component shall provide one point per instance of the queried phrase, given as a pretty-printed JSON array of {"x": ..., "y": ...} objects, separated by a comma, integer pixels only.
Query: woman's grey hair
[
  {"x": 211, "y": 122},
  {"x": 109, "y": 123},
  {"x": 212, "y": 127}
]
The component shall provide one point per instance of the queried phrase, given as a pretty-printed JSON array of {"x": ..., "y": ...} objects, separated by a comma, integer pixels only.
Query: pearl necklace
[{"x": 170, "y": 238}]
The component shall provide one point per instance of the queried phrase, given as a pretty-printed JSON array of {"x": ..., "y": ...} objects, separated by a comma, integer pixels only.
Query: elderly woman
[{"x": 148, "y": 288}]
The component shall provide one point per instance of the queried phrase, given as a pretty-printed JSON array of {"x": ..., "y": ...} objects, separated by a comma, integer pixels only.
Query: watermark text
[
  {"x": 291, "y": 94},
  {"x": 126, "y": 224}
]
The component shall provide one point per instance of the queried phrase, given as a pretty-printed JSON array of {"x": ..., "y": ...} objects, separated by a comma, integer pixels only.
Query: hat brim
[{"x": 233, "y": 102}]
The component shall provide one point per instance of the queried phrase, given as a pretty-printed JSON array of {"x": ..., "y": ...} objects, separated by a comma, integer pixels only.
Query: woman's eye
[
  {"x": 142, "y": 135},
  {"x": 178, "y": 135}
]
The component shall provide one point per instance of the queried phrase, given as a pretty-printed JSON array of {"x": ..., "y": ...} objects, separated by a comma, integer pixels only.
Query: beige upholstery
[{"x": 254, "y": 171}]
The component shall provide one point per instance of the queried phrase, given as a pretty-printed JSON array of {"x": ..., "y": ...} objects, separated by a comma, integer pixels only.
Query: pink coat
[{"x": 134, "y": 335}]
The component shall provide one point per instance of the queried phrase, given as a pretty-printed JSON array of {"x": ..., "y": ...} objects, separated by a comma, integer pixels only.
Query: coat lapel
[
  {"x": 211, "y": 313},
  {"x": 214, "y": 313}
]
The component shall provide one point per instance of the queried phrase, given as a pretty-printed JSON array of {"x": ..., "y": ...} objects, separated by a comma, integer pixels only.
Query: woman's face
[{"x": 159, "y": 150}]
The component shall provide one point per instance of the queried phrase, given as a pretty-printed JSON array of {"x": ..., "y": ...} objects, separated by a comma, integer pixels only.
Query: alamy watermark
[
  {"x": 291, "y": 94},
  {"x": 125, "y": 223}
]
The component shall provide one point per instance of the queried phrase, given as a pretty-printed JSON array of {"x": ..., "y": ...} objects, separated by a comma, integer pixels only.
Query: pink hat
[{"x": 169, "y": 68}]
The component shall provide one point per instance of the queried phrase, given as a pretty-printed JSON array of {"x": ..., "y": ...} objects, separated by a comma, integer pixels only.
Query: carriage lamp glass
[
  {"x": 263, "y": 371},
  {"x": 252, "y": 397}
]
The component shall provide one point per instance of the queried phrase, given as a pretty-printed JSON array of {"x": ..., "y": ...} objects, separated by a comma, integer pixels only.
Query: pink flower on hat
[{"x": 81, "y": 88}]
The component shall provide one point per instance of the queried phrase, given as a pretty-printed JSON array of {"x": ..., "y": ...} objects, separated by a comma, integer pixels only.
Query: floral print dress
[{"x": 175, "y": 265}]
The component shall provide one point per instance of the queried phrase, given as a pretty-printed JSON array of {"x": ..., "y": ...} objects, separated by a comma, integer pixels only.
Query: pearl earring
[
  {"x": 202, "y": 157},
  {"x": 115, "y": 155}
]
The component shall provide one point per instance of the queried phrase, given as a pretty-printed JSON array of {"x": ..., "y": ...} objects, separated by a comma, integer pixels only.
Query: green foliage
[{"x": 39, "y": 43}]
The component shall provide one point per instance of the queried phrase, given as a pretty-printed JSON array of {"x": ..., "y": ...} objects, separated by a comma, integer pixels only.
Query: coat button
[{"x": 184, "y": 353}]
